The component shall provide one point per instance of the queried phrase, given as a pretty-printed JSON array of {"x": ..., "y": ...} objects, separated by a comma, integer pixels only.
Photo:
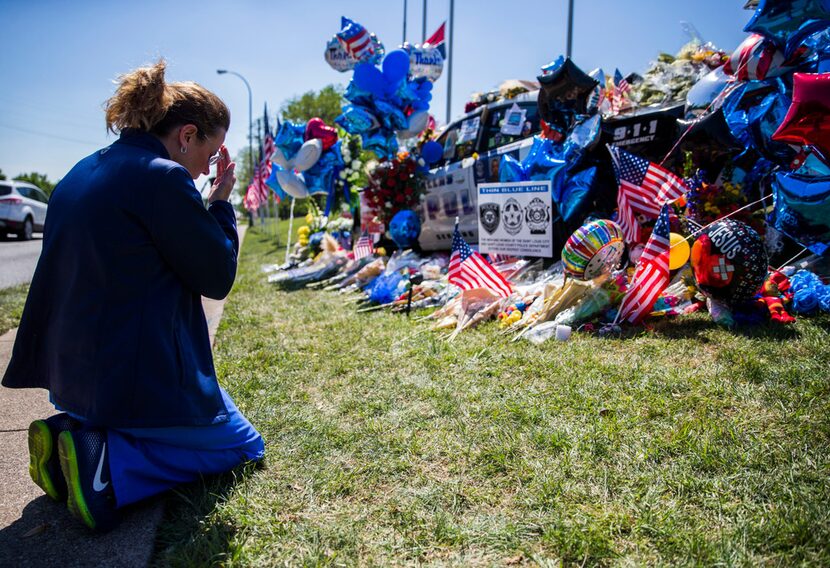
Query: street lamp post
[{"x": 250, "y": 116}]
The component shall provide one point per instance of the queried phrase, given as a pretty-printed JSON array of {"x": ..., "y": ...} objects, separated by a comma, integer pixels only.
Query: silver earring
[{"x": 184, "y": 149}]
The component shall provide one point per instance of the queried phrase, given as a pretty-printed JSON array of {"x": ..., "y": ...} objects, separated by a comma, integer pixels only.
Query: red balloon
[
  {"x": 808, "y": 118},
  {"x": 318, "y": 129}
]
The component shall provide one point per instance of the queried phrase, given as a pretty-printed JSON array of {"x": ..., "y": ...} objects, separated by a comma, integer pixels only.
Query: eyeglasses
[{"x": 213, "y": 160}]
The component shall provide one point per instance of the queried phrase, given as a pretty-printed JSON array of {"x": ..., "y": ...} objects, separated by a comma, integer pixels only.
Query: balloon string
[
  {"x": 290, "y": 227},
  {"x": 793, "y": 258},
  {"x": 721, "y": 95},
  {"x": 703, "y": 228}
]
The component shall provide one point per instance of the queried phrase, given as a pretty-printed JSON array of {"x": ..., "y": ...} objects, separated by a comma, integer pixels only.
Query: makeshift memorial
[
  {"x": 593, "y": 250},
  {"x": 729, "y": 261}
]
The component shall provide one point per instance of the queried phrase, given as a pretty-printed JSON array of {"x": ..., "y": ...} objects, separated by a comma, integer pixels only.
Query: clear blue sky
[{"x": 60, "y": 58}]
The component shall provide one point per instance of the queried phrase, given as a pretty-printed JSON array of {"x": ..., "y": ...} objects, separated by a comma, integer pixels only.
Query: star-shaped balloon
[
  {"x": 564, "y": 88},
  {"x": 808, "y": 118},
  {"x": 778, "y": 19}
]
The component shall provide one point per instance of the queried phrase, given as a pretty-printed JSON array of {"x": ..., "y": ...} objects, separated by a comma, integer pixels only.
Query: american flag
[
  {"x": 643, "y": 188},
  {"x": 251, "y": 200},
  {"x": 363, "y": 247},
  {"x": 469, "y": 270},
  {"x": 652, "y": 275},
  {"x": 268, "y": 144},
  {"x": 621, "y": 87},
  {"x": 438, "y": 39},
  {"x": 260, "y": 189},
  {"x": 355, "y": 39}
]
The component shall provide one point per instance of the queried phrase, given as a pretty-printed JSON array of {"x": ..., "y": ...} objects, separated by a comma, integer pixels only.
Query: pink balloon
[{"x": 316, "y": 128}]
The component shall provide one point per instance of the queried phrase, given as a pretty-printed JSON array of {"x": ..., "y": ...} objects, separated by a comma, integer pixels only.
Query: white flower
[
  {"x": 356, "y": 164},
  {"x": 346, "y": 154},
  {"x": 388, "y": 204},
  {"x": 342, "y": 174}
]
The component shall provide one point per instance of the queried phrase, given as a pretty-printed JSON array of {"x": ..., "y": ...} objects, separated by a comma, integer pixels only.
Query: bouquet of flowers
[
  {"x": 353, "y": 175},
  {"x": 671, "y": 76},
  {"x": 393, "y": 186}
]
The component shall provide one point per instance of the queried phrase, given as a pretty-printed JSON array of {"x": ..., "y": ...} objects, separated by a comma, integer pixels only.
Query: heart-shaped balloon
[
  {"x": 306, "y": 156},
  {"x": 317, "y": 129},
  {"x": 292, "y": 184}
]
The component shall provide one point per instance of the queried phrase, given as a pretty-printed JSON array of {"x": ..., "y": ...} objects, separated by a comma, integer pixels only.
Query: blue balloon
[
  {"x": 396, "y": 65},
  {"x": 511, "y": 169},
  {"x": 368, "y": 78},
  {"x": 431, "y": 152},
  {"x": 391, "y": 116},
  {"x": 357, "y": 119},
  {"x": 356, "y": 95},
  {"x": 575, "y": 194},
  {"x": 404, "y": 228},
  {"x": 386, "y": 287},
  {"x": 289, "y": 138},
  {"x": 778, "y": 19},
  {"x": 802, "y": 210},
  {"x": 384, "y": 145}
]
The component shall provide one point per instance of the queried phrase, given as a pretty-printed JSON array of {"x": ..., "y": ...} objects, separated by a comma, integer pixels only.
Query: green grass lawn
[
  {"x": 687, "y": 444},
  {"x": 12, "y": 301}
]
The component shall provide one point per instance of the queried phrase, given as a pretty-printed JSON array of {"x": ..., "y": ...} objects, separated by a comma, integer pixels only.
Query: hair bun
[{"x": 141, "y": 99}]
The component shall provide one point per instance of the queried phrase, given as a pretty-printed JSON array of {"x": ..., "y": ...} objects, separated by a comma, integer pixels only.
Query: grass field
[
  {"x": 687, "y": 444},
  {"x": 12, "y": 301}
]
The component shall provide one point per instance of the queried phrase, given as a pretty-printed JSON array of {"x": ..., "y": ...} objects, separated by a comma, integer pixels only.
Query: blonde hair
[{"x": 143, "y": 100}]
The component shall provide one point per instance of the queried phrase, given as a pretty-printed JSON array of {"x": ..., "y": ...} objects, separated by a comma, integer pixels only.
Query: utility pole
[
  {"x": 570, "y": 27},
  {"x": 404, "y": 23},
  {"x": 451, "y": 42},
  {"x": 424, "y": 25}
]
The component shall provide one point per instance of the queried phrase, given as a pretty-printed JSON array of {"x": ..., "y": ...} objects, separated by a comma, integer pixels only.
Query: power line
[{"x": 47, "y": 135}]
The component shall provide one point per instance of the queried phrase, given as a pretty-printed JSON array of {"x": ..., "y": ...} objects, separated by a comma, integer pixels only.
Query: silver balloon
[
  {"x": 708, "y": 94},
  {"x": 337, "y": 56}
]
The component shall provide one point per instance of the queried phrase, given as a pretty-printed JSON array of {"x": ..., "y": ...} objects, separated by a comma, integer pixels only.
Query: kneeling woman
[{"x": 113, "y": 326}]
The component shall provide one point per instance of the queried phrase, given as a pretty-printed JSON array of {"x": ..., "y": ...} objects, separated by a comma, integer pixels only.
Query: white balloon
[
  {"x": 417, "y": 122},
  {"x": 292, "y": 184},
  {"x": 280, "y": 159},
  {"x": 307, "y": 155}
]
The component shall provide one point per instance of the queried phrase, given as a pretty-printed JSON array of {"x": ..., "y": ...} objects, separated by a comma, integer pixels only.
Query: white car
[{"x": 22, "y": 208}]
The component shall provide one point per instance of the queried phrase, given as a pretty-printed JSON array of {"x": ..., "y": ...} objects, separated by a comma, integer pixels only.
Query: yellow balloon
[{"x": 679, "y": 251}]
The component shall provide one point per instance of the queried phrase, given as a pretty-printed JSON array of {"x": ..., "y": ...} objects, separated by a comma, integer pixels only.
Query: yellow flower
[{"x": 309, "y": 219}]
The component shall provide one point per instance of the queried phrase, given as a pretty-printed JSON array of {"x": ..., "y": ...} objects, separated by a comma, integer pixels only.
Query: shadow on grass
[
  {"x": 699, "y": 328},
  {"x": 192, "y": 532}
]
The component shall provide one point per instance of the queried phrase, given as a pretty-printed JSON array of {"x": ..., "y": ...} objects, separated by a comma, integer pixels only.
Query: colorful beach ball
[{"x": 594, "y": 249}]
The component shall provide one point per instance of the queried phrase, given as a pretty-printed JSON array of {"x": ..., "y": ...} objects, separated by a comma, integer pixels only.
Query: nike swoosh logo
[{"x": 96, "y": 482}]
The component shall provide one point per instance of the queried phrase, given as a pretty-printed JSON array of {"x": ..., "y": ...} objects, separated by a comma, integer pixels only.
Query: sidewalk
[{"x": 36, "y": 531}]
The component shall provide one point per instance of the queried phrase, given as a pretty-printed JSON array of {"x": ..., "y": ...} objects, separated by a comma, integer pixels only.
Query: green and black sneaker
[
  {"x": 44, "y": 465},
  {"x": 85, "y": 463}
]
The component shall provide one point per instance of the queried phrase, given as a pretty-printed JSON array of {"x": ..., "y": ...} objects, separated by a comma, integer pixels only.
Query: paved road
[{"x": 18, "y": 260}]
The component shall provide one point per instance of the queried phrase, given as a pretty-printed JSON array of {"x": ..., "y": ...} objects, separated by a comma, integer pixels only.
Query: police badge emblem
[
  {"x": 537, "y": 216},
  {"x": 489, "y": 214},
  {"x": 512, "y": 216}
]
